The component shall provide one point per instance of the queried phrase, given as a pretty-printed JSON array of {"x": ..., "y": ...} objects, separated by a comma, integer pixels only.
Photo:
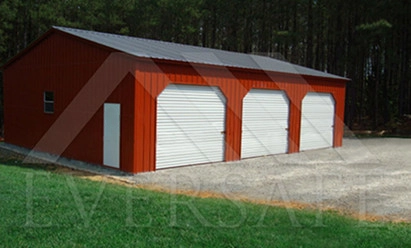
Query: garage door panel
[
  {"x": 185, "y": 150},
  {"x": 265, "y": 123},
  {"x": 184, "y": 140},
  {"x": 190, "y": 125},
  {"x": 317, "y": 124}
]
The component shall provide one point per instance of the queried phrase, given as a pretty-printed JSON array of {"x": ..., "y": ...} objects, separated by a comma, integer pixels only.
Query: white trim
[{"x": 111, "y": 136}]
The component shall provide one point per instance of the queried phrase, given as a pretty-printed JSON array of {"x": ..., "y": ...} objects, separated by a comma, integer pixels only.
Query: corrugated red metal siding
[
  {"x": 65, "y": 71},
  {"x": 62, "y": 64},
  {"x": 152, "y": 78}
]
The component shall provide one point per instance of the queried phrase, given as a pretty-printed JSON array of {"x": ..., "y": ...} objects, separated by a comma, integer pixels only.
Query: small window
[{"x": 49, "y": 102}]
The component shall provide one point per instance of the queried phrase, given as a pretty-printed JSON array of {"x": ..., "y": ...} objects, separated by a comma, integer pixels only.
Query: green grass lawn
[{"x": 44, "y": 209}]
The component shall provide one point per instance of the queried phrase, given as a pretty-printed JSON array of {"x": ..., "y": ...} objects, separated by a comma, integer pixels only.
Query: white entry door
[
  {"x": 265, "y": 123},
  {"x": 111, "y": 140},
  {"x": 317, "y": 124},
  {"x": 190, "y": 125}
]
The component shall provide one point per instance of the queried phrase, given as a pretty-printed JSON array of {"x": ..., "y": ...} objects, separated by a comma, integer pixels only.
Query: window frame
[{"x": 48, "y": 102}]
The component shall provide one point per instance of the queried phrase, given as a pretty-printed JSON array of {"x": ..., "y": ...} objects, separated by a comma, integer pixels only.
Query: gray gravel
[{"x": 364, "y": 177}]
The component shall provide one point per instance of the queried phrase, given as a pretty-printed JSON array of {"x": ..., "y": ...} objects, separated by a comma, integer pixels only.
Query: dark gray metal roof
[{"x": 192, "y": 54}]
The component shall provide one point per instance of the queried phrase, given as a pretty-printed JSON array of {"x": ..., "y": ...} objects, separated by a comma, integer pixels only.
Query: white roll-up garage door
[
  {"x": 190, "y": 125},
  {"x": 265, "y": 123},
  {"x": 317, "y": 124}
]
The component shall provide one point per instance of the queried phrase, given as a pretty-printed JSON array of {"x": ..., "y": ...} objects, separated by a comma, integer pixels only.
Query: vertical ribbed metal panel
[
  {"x": 265, "y": 123},
  {"x": 190, "y": 125},
  {"x": 317, "y": 124}
]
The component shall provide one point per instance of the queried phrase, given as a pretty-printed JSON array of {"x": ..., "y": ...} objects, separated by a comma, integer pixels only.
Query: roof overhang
[{"x": 261, "y": 64}]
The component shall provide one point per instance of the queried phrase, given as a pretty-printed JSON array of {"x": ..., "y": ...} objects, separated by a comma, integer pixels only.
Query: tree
[{"x": 368, "y": 41}]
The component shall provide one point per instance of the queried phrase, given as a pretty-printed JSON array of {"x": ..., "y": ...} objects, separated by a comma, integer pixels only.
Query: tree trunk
[{"x": 310, "y": 33}]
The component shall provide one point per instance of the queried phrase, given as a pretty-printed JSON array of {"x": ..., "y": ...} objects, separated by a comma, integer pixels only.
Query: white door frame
[{"x": 111, "y": 135}]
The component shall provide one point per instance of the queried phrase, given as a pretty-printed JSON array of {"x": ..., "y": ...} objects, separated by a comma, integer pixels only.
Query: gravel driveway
[{"x": 365, "y": 178}]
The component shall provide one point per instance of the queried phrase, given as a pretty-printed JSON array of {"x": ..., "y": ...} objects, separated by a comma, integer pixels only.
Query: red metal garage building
[{"x": 141, "y": 105}]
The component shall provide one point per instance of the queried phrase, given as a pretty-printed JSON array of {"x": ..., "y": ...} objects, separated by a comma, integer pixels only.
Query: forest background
[{"x": 368, "y": 41}]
